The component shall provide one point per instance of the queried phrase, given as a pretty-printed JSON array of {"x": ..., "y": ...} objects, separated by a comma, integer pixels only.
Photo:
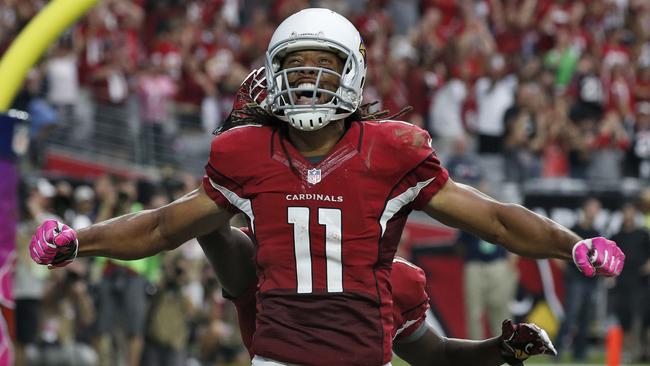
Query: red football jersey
[
  {"x": 410, "y": 298},
  {"x": 326, "y": 233},
  {"x": 410, "y": 303}
]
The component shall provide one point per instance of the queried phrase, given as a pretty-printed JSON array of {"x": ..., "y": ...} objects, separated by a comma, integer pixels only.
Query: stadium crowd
[{"x": 526, "y": 88}]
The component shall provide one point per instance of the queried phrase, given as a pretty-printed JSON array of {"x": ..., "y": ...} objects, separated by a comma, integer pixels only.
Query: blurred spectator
[
  {"x": 155, "y": 92},
  {"x": 63, "y": 200},
  {"x": 628, "y": 293},
  {"x": 619, "y": 88},
  {"x": 42, "y": 117},
  {"x": 123, "y": 284},
  {"x": 579, "y": 302},
  {"x": 490, "y": 280},
  {"x": 588, "y": 91},
  {"x": 512, "y": 22},
  {"x": 644, "y": 206},
  {"x": 255, "y": 36},
  {"x": 405, "y": 14},
  {"x": 494, "y": 95},
  {"x": 196, "y": 92},
  {"x": 218, "y": 337},
  {"x": 607, "y": 142},
  {"x": 84, "y": 207},
  {"x": 110, "y": 52},
  {"x": 638, "y": 156},
  {"x": 66, "y": 311},
  {"x": 641, "y": 88},
  {"x": 445, "y": 112},
  {"x": 615, "y": 52},
  {"x": 429, "y": 44},
  {"x": 168, "y": 326},
  {"x": 463, "y": 166},
  {"x": 63, "y": 89},
  {"x": 375, "y": 25},
  {"x": 403, "y": 83},
  {"x": 474, "y": 42},
  {"x": 562, "y": 58},
  {"x": 525, "y": 133},
  {"x": 30, "y": 279},
  {"x": 560, "y": 137}
]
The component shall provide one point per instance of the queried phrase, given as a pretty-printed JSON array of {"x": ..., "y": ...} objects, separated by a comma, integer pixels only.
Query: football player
[
  {"x": 326, "y": 192},
  {"x": 414, "y": 340}
]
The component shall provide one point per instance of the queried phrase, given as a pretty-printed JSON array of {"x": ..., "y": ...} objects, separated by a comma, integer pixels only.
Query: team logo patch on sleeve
[{"x": 313, "y": 176}]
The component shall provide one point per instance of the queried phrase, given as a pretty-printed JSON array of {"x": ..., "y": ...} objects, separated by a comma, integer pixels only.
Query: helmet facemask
[{"x": 311, "y": 106}]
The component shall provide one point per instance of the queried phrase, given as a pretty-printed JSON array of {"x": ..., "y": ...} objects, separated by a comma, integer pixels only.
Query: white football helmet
[{"x": 315, "y": 29}]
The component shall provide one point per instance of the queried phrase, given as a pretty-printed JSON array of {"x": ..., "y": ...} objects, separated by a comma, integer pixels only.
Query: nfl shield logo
[{"x": 313, "y": 176}]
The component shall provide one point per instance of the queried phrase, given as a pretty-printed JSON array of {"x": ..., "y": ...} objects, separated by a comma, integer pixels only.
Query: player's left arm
[
  {"x": 516, "y": 343},
  {"x": 516, "y": 228},
  {"x": 520, "y": 230}
]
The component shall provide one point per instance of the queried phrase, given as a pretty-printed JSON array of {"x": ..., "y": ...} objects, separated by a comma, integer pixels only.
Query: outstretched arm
[
  {"x": 131, "y": 236},
  {"x": 148, "y": 232},
  {"x": 522, "y": 231},
  {"x": 518, "y": 229},
  {"x": 516, "y": 344},
  {"x": 431, "y": 348}
]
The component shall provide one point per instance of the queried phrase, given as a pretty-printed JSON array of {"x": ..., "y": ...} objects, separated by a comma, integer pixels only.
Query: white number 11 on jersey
[{"x": 331, "y": 219}]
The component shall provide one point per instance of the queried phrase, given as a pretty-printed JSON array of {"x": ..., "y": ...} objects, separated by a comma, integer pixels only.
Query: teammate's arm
[
  {"x": 518, "y": 229},
  {"x": 433, "y": 349},
  {"x": 232, "y": 256},
  {"x": 517, "y": 343},
  {"x": 131, "y": 236}
]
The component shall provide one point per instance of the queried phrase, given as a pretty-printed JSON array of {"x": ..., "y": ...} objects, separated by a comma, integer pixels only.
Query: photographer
[
  {"x": 67, "y": 310},
  {"x": 122, "y": 298},
  {"x": 168, "y": 328}
]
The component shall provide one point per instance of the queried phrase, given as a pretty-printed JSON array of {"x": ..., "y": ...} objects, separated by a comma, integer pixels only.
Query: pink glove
[
  {"x": 522, "y": 340},
  {"x": 54, "y": 244},
  {"x": 598, "y": 256}
]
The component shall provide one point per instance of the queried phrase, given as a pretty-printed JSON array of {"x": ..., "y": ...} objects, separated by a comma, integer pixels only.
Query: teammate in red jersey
[
  {"x": 326, "y": 194},
  {"x": 413, "y": 339}
]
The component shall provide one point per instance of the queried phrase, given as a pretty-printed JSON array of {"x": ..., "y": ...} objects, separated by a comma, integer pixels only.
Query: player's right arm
[
  {"x": 516, "y": 344},
  {"x": 145, "y": 233},
  {"x": 131, "y": 236}
]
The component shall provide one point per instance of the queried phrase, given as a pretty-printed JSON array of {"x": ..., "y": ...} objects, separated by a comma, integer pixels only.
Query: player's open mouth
[{"x": 305, "y": 94}]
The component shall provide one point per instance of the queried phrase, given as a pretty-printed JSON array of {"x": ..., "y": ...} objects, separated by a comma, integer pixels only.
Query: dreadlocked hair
[
  {"x": 363, "y": 113},
  {"x": 252, "y": 113}
]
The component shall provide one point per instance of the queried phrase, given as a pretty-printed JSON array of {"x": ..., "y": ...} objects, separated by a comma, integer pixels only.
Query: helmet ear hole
[{"x": 363, "y": 80}]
